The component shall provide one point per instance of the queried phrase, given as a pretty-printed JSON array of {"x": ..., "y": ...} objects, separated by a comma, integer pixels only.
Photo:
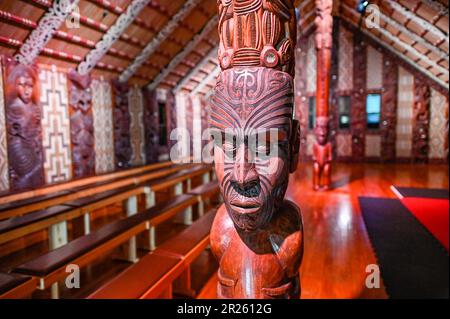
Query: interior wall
[
  {"x": 374, "y": 72},
  {"x": 55, "y": 122}
]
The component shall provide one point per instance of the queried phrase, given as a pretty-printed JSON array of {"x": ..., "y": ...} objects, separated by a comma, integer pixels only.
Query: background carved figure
[
  {"x": 81, "y": 123},
  {"x": 23, "y": 116},
  {"x": 322, "y": 155},
  {"x": 122, "y": 143}
]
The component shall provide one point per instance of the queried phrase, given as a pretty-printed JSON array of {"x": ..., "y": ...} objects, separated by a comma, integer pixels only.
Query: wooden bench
[
  {"x": 13, "y": 286},
  {"x": 153, "y": 275},
  {"x": 24, "y": 206},
  {"x": 50, "y": 267},
  {"x": 205, "y": 192}
]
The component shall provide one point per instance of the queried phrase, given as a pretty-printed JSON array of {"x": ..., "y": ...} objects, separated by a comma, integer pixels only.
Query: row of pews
[{"x": 55, "y": 206}]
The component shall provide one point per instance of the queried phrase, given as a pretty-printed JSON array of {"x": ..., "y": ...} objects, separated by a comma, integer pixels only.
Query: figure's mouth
[{"x": 245, "y": 207}]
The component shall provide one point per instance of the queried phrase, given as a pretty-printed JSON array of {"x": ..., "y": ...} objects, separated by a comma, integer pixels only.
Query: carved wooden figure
[
  {"x": 122, "y": 143},
  {"x": 322, "y": 155},
  {"x": 23, "y": 118},
  {"x": 322, "y": 150},
  {"x": 257, "y": 236},
  {"x": 81, "y": 125}
]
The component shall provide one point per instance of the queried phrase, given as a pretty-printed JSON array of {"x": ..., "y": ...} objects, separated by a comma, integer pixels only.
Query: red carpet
[{"x": 433, "y": 214}]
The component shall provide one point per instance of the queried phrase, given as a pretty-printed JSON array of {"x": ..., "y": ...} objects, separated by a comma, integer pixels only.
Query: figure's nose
[{"x": 244, "y": 171}]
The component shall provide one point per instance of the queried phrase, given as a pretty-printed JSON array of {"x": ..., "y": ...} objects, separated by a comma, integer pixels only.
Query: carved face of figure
[
  {"x": 321, "y": 130},
  {"x": 251, "y": 122},
  {"x": 24, "y": 84}
]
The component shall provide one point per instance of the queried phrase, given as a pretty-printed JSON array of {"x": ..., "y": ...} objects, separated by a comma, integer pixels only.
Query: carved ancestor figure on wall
[
  {"x": 23, "y": 117},
  {"x": 122, "y": 143},
  {"x": 322, "y": 155},
  {"x": 257, "y": 236},
  {"x": 82, "y": 125}
]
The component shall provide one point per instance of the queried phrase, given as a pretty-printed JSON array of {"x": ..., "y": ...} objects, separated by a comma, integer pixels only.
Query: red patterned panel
[
  {"x": 421, "y": 119},
  {"x": 122, "y": 142},
  {"x": 358, "y": 112},
  {"x": 389, "y": 109}
]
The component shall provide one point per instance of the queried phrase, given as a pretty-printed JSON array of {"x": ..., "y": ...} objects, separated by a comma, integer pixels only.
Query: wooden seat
[
  {"x": 17, "y": 227},
  {"x": 153, "y": 275},
  {"x": 50, "y": 267},
  {"x": 206, "y": 190},
  {"x": 13, "y": 286},
  {"x": 178, "y": 177}
]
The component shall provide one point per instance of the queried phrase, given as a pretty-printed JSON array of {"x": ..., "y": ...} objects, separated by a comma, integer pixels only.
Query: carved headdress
[{"x": 257, "y": 33}]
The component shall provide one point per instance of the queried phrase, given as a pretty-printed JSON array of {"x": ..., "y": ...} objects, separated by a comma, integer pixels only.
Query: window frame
[{"x": 372, "y": 127}]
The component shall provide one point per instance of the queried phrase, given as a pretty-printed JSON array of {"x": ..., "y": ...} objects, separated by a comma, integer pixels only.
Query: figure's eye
[{"x": 229, "y": 146}]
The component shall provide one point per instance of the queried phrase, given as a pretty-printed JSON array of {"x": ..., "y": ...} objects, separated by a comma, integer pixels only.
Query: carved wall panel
[
  {"x": 151, "y": 125},
  {"x": 388, "y": 109},
  {"x": 344, "y": 145},
  {"x": 121, "y": 120},
  {"x": 189, "y": 109},
  {"x": 23, "y": 127},
  {"x": 345, "y": 59},
  {"x": 405, "y": 100},
  {"x": 334, "y": 86},
  {"x": 137, "y": 130},
  {"x": 197, "y": 125},
  {"x": 300, "y": 87},
  {"x": 373, "y": 146},
  {"x": 171, "y": 113},
  {"x": 81, "y": 125},
  {"x": 311, "y": 66},
  {"x": 438, "y": 126},
  {"x": 4, "y": 175},
  {"x": 102, "y": 109},
  {"x": 421, "y": 120},
  {"x": 358, "y": 112},
  {"x": 55, "y": 125},
  {"x": 204, "y": 114},
  {"x": 374, "y": 75}
]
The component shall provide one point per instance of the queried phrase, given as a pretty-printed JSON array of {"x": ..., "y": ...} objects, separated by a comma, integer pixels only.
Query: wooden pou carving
[
  {"x": 257, "y": 236},
  {"x": 122, "y": 143},
  {"x": 23, "y": 118},
  {"x": 81, "y": 124},
  {"x": 322, "y": 150}
]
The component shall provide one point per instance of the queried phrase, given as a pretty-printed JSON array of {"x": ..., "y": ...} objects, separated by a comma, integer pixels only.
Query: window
[
  {"x": 344, "y": 112},
  {"x": 162, "y": 124},
  {"x": 312, "y": 112},
  {"x": 373, "y": 110}
]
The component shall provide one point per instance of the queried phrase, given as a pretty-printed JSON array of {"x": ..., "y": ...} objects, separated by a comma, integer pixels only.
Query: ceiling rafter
[
  {"x": 48, "y": 24},
  {"x": 187, "y": 49},
  {"x": 437, "y": 6},
  {"x": 211, "y": 77},
  {"x": 388, "y": 47},
  {"x": 207, "y": 59},
  {"x": 158, "y": 39},
  {"x": 415, "y": 37},
  {"x": 429, "y": 27},
  {"x": 111, "y": 36}
]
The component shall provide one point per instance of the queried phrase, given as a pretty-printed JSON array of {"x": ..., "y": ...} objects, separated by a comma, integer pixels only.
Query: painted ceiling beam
[
  {"x": 429, "y": 27},
  {"x": 211, "y": 77},
  {"x": 183, "y": 54},
  {"x": 111, "y": 36},
  {"x": 48, "y": 25},
  {"x": 402, "y": 44},
  {"x": 420, "y": 40},
  {"x": 162, "y": 35},
  {"x": 436, "y": 5},
  {"x": 389, "y": 48},
  {"x": 207, "y": 59}
]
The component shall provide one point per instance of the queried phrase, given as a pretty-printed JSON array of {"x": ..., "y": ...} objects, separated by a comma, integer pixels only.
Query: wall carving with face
[
  {"x": 81, "y": 125},
  {"x": 257, "y": 235},
  {"x": 23, "y": 118},
  {"x": 121, "y": 116}
]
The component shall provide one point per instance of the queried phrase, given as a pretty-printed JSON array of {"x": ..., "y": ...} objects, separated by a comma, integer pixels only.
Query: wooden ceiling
[{"x": 185, "y": 58}]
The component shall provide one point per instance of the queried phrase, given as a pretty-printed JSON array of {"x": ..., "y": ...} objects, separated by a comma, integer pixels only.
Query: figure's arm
[{"x": 329, "y": 153}]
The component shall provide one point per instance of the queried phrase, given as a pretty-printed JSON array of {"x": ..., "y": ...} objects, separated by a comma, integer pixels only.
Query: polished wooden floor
[{"x": 337, "y": 248}]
